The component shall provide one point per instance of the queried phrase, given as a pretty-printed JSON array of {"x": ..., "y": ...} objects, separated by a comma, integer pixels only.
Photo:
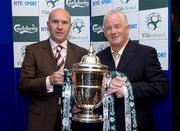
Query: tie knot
[{"x": 59, "y": 47}]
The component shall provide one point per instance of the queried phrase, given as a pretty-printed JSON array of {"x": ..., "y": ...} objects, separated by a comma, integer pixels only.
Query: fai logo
[
  {"x": 77, "y": 25},
  {"x": 25, "y": 28},
  {"x": 152, "y": 20},
  {"x": 23, "y": 51},
  {"x": 124, "y": 1},
  {"x": 51, "y": 3},
  {"x": 97, "y": 28},
  {"x": 77, "y": 3}
]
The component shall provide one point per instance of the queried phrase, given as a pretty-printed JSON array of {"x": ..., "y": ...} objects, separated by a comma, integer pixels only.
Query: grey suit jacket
[{"x": 39, "y": 62}]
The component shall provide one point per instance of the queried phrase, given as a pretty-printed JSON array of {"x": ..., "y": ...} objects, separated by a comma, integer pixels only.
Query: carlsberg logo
[
  {"x": 77, "y": 3},
  {"x": 25, "y": 29}
]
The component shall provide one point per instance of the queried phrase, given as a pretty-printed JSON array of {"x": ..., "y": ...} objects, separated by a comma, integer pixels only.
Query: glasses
[{"x": 57, "y": 22}]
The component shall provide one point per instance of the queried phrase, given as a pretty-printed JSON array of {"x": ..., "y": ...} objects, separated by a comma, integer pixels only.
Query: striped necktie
[{"x": 59, "y": 58}]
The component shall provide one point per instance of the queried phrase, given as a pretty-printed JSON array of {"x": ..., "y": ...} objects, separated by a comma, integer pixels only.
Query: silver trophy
[{"x": 89, "y": 86}]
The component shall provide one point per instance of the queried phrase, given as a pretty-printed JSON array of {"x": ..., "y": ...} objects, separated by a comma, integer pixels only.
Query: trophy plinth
[{"x": 88, "y": 80}]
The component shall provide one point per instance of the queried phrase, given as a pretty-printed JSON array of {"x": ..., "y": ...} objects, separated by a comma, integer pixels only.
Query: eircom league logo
[{"x": 152, "y": 20}]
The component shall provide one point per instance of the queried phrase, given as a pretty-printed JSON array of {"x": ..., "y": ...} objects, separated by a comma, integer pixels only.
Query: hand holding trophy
[{"x": 89, "y": 80}]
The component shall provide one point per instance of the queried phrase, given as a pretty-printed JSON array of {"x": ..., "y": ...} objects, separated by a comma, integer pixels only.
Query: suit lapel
[
  {"x": 70, "y": 56},
  {"x": 50, "y": 58},
  {"x": 109, "y": 60},
  {"x": 128, "y": 54},
  {"x": 48, "y": 54}
]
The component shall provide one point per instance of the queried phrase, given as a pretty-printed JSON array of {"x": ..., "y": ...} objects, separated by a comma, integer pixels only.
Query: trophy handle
[
  {"x": 97, "y": 105},
  {"x": 107, "y": 81}
]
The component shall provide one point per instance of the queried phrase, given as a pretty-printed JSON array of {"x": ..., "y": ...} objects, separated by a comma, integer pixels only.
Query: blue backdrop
[{"x": 13, "y": 109}]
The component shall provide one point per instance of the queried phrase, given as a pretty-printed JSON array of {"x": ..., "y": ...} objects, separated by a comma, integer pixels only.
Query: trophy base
[{"x": 93, "y": 118}]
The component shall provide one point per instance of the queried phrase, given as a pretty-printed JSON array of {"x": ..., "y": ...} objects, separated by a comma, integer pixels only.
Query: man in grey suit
[
  {"x": 139, "y": 63},
  {"x": 40, "y": 77}
]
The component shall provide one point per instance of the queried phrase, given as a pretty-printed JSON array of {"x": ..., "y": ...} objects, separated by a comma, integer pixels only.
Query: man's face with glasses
[{"x": 59, "y": 25}]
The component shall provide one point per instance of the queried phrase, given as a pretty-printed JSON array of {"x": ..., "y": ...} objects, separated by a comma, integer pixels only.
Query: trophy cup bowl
[{"x": 88, "y": 80}]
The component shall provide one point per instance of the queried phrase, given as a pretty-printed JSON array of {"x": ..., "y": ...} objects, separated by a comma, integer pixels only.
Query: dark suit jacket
[
  {"x": 39, "y": 62},
  {"x": 140, "y": 64}
]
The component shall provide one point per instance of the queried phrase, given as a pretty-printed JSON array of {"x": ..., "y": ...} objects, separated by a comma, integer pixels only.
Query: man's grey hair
[{"x": 123, "y": 16}]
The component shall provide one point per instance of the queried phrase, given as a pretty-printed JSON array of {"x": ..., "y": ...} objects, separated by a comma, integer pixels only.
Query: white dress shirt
[{"x": 63, "y": 54}]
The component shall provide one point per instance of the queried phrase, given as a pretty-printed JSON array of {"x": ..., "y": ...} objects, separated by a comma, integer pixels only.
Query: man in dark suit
[
  {"x": 139, "y": 63},
  {"x": 40, "y": 77}
]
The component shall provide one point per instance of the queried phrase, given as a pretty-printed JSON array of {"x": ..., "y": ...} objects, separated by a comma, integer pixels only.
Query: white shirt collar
[
  {"x": 54, "y": 44},
  {"x": 121, "y": 50}
]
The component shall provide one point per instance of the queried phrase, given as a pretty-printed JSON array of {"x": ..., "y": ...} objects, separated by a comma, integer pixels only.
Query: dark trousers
[
  {"x": 58, "y": 122},
  {"x": 77, "y": 126}
]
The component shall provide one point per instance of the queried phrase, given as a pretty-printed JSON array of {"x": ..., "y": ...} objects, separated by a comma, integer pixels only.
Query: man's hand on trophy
[
  {"x": 76, "y": 109},
  {"x": 117, "y": 86},
  {"x": 57, "y": 78}
]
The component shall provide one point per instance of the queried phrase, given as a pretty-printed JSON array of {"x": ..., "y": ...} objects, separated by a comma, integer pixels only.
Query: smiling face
[
  {"x": 116, "y": 29},
  {"x": 59, "y": 25}
]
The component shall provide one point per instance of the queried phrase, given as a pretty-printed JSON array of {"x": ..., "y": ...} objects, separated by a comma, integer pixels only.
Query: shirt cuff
[{"x": 49, "y": 87}]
